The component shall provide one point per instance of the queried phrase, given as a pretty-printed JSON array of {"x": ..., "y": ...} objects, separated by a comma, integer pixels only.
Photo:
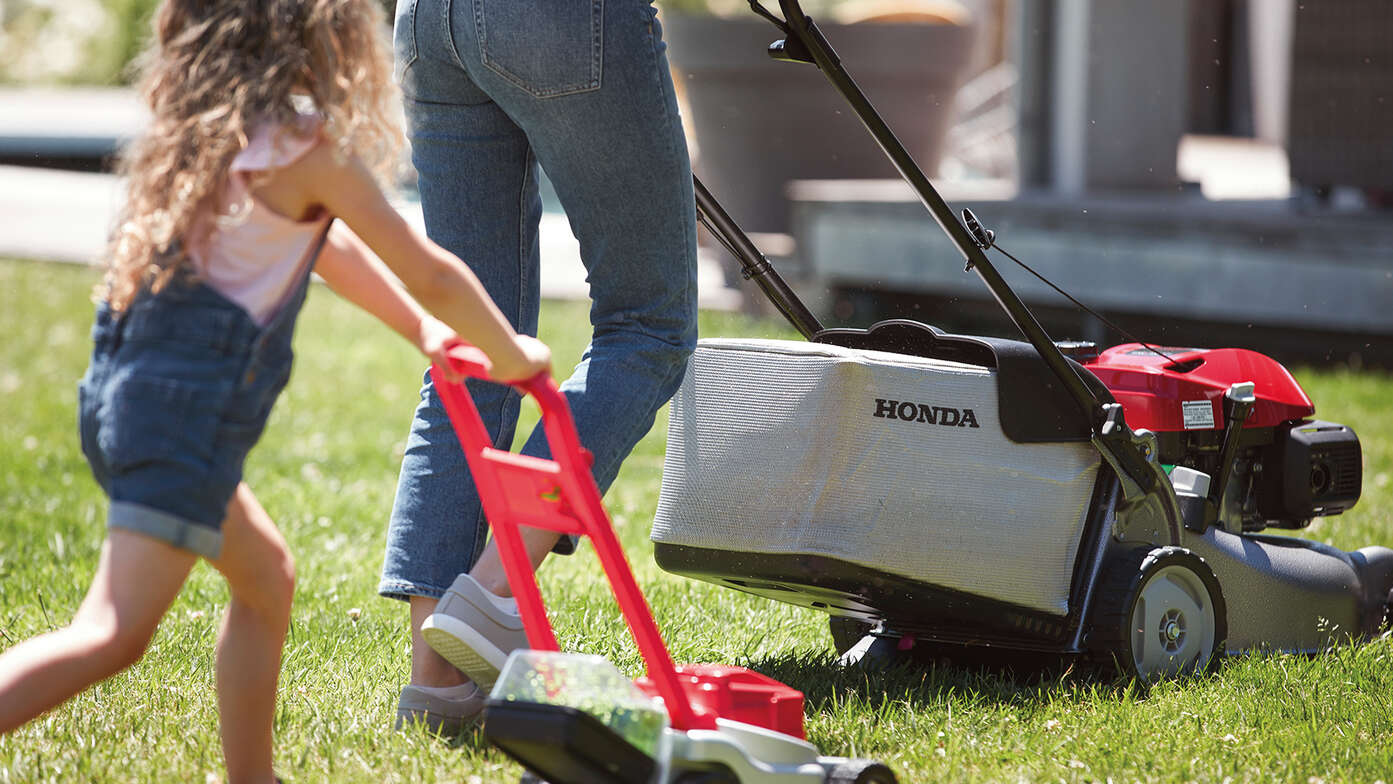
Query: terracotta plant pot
[{"x": 760, "y": 123}]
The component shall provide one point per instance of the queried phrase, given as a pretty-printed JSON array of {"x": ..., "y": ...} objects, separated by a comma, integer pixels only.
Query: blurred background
[{"x": 1212, "y": 172}]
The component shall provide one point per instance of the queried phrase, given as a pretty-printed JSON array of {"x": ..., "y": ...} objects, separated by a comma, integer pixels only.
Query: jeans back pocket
[{"x": 547, "y": 47}]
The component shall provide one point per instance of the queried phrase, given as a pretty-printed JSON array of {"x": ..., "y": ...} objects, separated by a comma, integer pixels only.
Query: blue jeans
[{"x": 494, "y": 88}]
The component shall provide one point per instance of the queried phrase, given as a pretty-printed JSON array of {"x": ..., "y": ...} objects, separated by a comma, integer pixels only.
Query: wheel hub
[{"x": 1173, "y": 630}]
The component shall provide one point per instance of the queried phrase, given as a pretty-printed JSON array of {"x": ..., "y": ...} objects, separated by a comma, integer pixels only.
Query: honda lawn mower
[
  {"x": 980, "y": 498},
  {"x": 575, "y": 719}
]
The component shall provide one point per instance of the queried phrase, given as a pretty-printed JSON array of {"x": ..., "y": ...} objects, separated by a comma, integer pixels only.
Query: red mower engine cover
[{"x": 1186, "y": 391}]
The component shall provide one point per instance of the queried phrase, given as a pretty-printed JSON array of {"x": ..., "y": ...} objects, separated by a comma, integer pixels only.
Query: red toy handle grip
[{"x": 471, "y": 362}]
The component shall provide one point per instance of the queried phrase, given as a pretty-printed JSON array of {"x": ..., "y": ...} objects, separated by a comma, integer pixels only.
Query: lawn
[{"x": 326, "y": 472}]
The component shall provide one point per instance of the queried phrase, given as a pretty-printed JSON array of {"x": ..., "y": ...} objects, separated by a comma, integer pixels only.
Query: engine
[{"x": 1288, "y": 467}]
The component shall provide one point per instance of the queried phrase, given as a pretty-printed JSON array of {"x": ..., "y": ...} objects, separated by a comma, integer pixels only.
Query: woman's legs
[
  {"x": 480, "y": 199},
  {"x": 137, "y": 578},
  {"x": 615, "y": 152},
  {"x": 609, "y": 136},
  {"x": 538, "y": 542},
  {"x": 261, "y": 578}
]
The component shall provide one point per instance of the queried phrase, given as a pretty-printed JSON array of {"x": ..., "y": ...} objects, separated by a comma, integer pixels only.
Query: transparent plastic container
[{"x": 587, "y": 683}]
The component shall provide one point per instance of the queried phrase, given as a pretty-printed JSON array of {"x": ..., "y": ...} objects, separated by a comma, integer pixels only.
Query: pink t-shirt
[{"x": 251, "y": 254}]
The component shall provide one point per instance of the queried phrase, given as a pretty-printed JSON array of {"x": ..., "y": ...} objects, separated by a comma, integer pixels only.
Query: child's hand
[
  {"x": 435, "y": 339},
  {"x": 529, "y": 357}
]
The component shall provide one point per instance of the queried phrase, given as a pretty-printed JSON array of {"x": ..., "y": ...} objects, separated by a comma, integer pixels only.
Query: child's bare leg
[
  {"x": 137, "y": 578},
  {"x": 261, "y": 576}
]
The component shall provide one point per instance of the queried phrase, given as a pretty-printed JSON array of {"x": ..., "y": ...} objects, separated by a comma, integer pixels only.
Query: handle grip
[{"x": 471, "y": 362}]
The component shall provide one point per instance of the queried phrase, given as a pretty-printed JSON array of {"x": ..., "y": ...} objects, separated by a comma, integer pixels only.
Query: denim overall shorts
[{"x": 177, "y": 393}]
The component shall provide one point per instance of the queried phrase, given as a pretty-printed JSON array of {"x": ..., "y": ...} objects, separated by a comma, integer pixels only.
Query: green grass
[{"x": 326, "y": 472}]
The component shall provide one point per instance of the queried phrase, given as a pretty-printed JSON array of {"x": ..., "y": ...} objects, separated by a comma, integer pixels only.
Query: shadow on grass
[
  {"x": 926, "y": 681},
  {"x": 1026, "y": 679}
]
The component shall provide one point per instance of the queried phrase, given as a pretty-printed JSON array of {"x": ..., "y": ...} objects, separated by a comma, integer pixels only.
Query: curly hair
[{"x": 215, "y": 71}]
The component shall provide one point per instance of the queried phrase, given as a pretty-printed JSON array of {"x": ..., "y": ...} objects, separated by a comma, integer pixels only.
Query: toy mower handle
[
  {"x": 468, "y": 361},
  {"x": 507, "y": 485},
  {"x": 471, "y": 362}
]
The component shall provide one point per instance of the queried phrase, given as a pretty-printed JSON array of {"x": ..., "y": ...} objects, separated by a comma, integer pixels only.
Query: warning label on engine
[{"x": 1198, "y": 414}]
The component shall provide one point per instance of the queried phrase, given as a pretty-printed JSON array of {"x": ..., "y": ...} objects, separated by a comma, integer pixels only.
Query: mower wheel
[
  {"x": 1158, "y": 613},
  {"x": 846, "y": 632},
  {"x": 861, "y": 772}
]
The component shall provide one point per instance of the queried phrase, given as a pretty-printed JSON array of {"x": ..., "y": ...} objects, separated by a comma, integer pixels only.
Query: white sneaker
[{"x": 472, "y": 632}]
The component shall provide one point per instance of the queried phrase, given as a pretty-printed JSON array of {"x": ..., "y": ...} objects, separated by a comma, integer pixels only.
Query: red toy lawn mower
[{"x": 575, "y": 719}]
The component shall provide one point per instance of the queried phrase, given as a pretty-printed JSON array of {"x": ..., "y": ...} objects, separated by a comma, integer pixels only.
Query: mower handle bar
[
  {"x": 793, "y": 12},
  {"x": 1110, "y": 440},
  {"x": 470, "y": 362}
]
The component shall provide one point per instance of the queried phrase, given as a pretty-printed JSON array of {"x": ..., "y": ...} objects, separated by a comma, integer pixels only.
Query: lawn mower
[
  {"x": 575, "y": 719},
  {"x": 983, "y": 499}
]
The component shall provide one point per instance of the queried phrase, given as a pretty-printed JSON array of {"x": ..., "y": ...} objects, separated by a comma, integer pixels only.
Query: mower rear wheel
[
  {"x": 846, "y": 632},
  {"x": 1159, "y": 613},
  {"x": 861, "y": 772}
]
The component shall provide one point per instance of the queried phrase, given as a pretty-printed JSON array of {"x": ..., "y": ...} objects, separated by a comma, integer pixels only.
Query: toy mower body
[{"x": 980, "y": 497}]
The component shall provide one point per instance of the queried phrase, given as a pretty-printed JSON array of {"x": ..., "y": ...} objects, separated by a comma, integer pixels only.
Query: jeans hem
[
  {"x": 170, "y": 528},
  {"x": 402, "y": 590}
]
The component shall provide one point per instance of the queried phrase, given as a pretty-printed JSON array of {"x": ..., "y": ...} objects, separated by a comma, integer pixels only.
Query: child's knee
[
  {"x": 115, "y": 641},
  {"x": 274, "y": 589}
]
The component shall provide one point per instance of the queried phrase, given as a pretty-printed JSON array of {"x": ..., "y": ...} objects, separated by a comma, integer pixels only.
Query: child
[{"x": 233, "y": 193}]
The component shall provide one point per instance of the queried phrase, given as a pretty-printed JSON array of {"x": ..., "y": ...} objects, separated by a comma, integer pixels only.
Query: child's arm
[
  {"x": 353, "y": 272},
  {"x": 434, "y": 277}
]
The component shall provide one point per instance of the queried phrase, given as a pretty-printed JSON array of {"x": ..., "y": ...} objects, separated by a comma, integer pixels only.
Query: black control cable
[{"x": 986, "y": 239}]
